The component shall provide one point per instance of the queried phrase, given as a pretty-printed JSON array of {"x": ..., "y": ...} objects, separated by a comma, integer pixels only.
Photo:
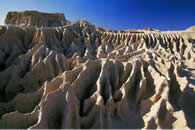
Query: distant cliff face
[{"x": 35, "y": 18}]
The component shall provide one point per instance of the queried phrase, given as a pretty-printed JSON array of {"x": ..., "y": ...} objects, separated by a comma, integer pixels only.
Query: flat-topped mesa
[{"x": 35, "y": 19}]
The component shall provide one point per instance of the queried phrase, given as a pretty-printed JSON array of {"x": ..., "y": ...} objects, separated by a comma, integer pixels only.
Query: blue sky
[{"x": 114, "y": 14}]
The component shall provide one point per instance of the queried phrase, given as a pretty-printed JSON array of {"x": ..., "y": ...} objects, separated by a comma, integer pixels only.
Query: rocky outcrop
[
  {"x": 35, "y": 18},
  {"x": 78, "y": 76}
]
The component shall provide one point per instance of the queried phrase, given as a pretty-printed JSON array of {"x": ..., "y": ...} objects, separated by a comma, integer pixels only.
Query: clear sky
[{"x": 114, "y": 14}]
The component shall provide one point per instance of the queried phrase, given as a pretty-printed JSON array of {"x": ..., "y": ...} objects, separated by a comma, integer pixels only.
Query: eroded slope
[{"x": 76, "y": 76}]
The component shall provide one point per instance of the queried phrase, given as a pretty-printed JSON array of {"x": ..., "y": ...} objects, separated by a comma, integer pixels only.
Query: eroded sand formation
[{"x": 77, "y": 76}]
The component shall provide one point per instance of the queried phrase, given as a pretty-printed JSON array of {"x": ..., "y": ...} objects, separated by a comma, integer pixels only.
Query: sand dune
[{"x": 78, "y": 76}]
